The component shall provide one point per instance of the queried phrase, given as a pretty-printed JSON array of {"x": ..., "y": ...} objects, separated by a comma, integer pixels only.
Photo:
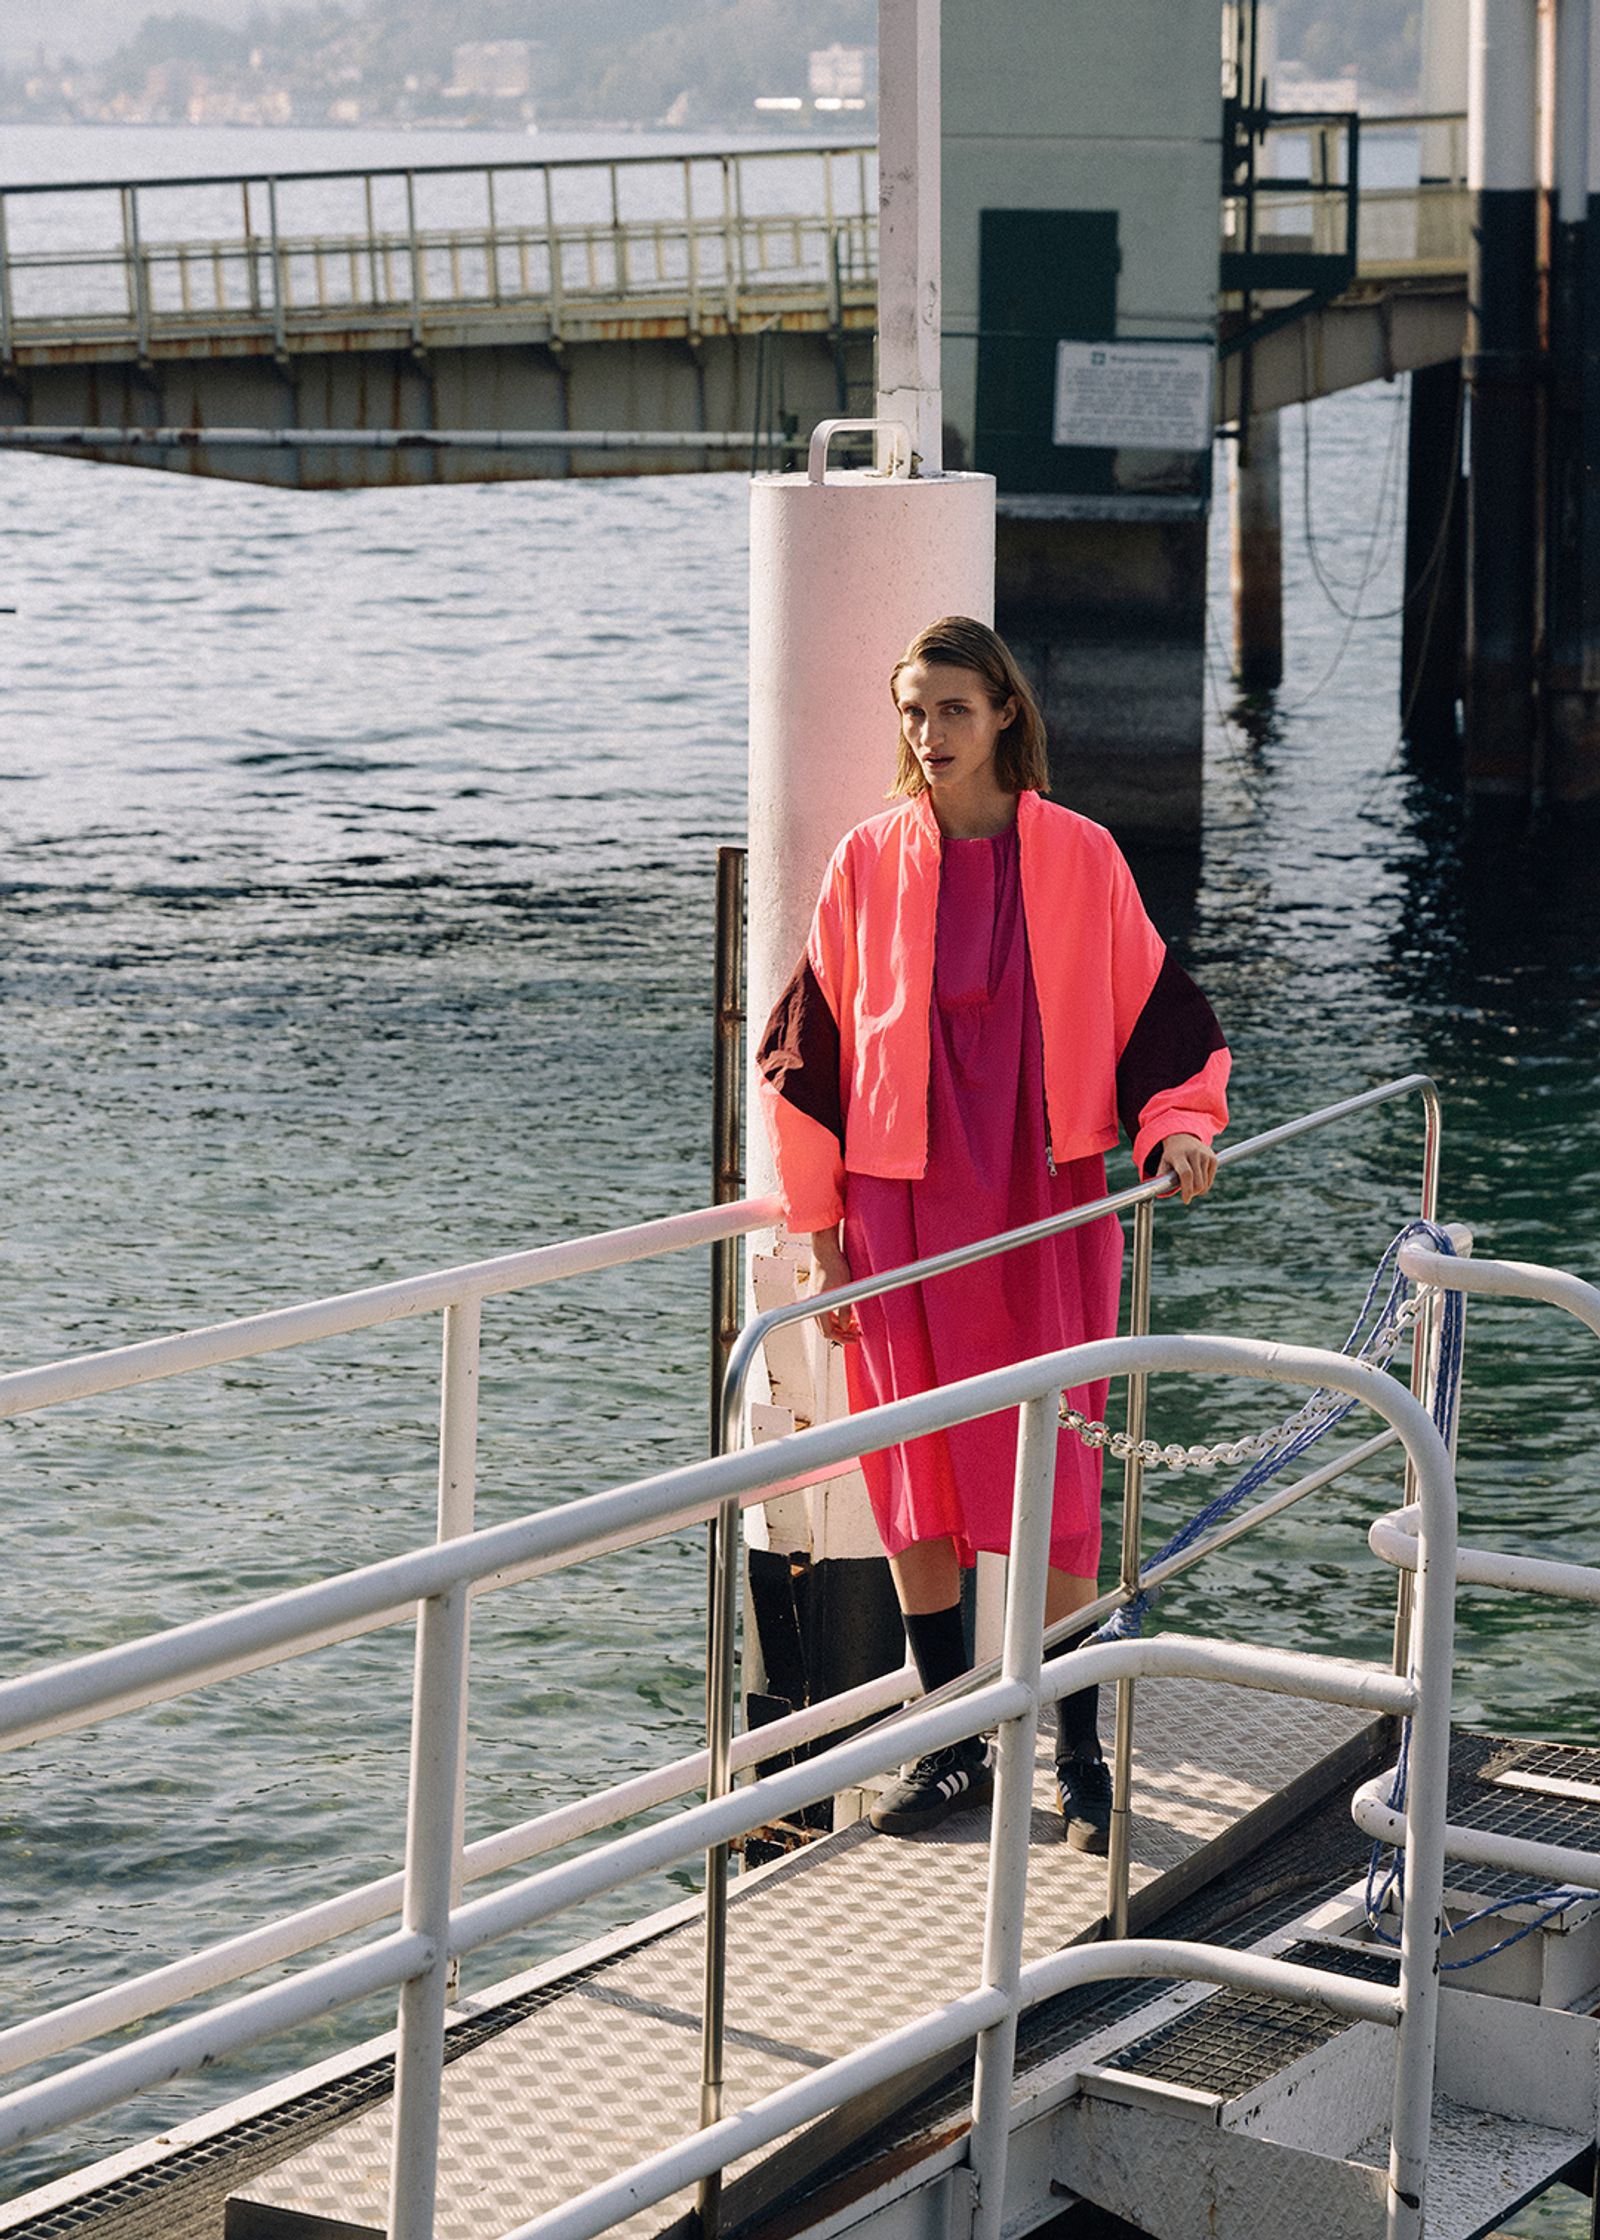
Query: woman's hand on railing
[
  {"x": 1193, "y": 1163},
  {"x": 830, "y": 1271}
]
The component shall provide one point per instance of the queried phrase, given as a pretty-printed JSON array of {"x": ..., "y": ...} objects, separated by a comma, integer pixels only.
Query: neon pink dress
[{"x": 987, "y": 1170}]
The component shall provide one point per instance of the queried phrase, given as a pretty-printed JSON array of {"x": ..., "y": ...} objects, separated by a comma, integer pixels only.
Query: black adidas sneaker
[
  {"x": 936, "y": 1786},
  {"x": 1083, "y": 1791}
]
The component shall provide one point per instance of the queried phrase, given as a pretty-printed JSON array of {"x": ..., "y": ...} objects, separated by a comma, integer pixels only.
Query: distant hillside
[
  {"x": 1378, "y": 39},
  {"x": 88, "y": 30},
  {"x": 705, "y": 61}
]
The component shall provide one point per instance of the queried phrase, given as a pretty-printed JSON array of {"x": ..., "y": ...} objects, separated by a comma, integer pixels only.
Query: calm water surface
[{"x": 357, "y": 884}]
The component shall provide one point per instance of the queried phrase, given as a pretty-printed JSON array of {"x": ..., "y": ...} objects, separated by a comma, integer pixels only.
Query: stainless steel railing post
[
  {"x": 722, "y": 1553},
  {"x": 439, "y": 1702},
  {"x": 723, "y": 1567},
  {"x": 138, "y": 273},
  {"x": 8, "y": 340},
  {"x": 1120, "y": 1852},
  {"x": 553, "y": 255},
  {"x": 414, "y": 250},
  {"x": 377, "y": 292},
  {"x": 1005, "y": 1909},
  {"x": 457, "y": 1515},
  {"x": 492, "y": 244},
  {"x": 1424, "y": 1348},
  {"x": 252, "y": 271},
  {"x": 280, "y": 290},
  {"x": 727, "y": 1146},
  {"x": 730, "y": 247}
]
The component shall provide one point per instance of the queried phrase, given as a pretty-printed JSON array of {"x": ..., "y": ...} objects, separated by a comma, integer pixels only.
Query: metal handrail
[
  {"x": 755, "y": 1332},
  {"x": 434, "y": 1930},
  {"x": 82, "y": 1376},
  {"x": 126, "y": 1367},
  {"x": 396, "y": 258},
  {"x": 720, "y": 1651},
  {"x": 789, "y": 153}
]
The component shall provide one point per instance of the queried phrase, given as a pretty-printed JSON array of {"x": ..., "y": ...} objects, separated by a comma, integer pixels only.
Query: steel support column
[
  {"x": 1435, "y": 591},
  {"x": 908, "y": 227},
  {"x": 1256, "y": 495},
  {"x": 1572, "y": 771},
  {"x": 1502, "y": 366}
]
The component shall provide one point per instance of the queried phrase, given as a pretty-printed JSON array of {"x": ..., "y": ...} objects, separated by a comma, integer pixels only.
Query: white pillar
[
  {"x": 1572, "y": 101},
  {"x": 1502, "y": 362},
  {"x": 843, "y": 574},
  {"x": 908, "y": 224},
  {"x": 1442, "y": 87},
  {"x": 1592, "y": 103},
  {"x": 1502, "y": 97}
]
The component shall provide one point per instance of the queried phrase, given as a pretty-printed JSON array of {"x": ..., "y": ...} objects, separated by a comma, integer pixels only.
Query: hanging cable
[{"x": 1388, "y": 510}]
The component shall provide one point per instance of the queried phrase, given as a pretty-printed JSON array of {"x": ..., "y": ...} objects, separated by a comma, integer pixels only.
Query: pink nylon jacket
[{"x": 843, "y": 1066}]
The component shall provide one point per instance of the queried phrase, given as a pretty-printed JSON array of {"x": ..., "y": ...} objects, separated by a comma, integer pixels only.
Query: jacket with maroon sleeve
[{"x": 843, "y": 1065}]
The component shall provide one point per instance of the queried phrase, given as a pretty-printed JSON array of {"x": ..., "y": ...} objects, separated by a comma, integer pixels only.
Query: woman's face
[{"x": 950, "y": 724}]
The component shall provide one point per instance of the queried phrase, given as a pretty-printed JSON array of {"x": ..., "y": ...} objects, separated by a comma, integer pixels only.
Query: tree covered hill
[{"x": 615, "y": 59}]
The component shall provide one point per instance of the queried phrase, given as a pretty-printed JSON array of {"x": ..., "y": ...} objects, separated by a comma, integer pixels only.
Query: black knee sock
[
  {"x": 1078, "y": 1715},
  {"x": 938, "y": 1644}
]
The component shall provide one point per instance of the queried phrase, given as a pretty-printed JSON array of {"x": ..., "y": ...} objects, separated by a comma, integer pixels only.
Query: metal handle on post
[{"x": 825, "y": 431}]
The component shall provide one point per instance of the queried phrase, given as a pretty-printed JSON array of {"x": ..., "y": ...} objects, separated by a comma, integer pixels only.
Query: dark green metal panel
[
  {"x": 1044, "y": 276},
  {"x": 1273, "y": 269}
]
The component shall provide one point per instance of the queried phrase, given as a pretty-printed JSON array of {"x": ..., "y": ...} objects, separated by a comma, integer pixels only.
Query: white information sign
[{"x": 1147, "y": 396}]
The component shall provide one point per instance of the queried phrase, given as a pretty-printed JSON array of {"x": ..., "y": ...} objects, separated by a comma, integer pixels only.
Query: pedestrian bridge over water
[{"x": 639, "y": 314}]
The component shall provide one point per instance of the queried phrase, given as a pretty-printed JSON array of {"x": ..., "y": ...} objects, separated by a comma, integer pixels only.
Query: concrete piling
[
  {"x": 1572, "y": 686},
  {"x": 1502, "y": 371},
  {"x": 1433, "y": 611},
  {"x": 1256, "y": 519}
]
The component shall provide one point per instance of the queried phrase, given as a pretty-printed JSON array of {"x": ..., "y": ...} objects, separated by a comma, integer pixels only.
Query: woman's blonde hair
[{"x": 1021, "y": 762}]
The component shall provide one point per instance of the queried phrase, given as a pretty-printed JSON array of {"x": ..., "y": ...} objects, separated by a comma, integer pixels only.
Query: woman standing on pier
[{"x": 981, "y": 998}]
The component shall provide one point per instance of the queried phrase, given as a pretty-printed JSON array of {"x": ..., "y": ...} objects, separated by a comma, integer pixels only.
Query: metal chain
[{"x": 1095, "y": 1433}]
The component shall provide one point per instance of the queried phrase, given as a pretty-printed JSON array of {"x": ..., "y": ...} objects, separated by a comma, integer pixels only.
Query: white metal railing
[
  {"x": 459, "y": 1292},
  {"x": 1419, "y": 226},
  {"x": 436, "y": 1927},
  {"x": 1140, "y": 1199},
  {"x": 303, "y": 252},
  {"x": 709, "y": 237},
  {"x": 435, "y": 1584},
  {"x": 456, "y": 1294},
  {"x": 1397, "y": 1540}
]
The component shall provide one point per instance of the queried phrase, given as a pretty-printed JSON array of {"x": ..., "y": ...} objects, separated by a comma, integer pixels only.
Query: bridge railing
[
  {"x": 161, "y": 260},
  {"x": 1407, "y": 210}
]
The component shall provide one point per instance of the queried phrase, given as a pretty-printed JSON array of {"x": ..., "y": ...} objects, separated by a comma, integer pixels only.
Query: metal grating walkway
[{"x": 828, "y": 1949}]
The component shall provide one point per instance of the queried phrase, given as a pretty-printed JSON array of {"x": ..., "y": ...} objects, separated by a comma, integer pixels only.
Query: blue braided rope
[{"x": 1127, "y": 1623}]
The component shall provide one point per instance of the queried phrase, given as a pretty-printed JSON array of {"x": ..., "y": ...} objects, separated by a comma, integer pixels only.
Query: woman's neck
[{"x": 979, "y": 816}]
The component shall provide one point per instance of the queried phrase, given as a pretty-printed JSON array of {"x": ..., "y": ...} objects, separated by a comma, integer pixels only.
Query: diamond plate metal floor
[{"x": 827, "y": 1950}]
